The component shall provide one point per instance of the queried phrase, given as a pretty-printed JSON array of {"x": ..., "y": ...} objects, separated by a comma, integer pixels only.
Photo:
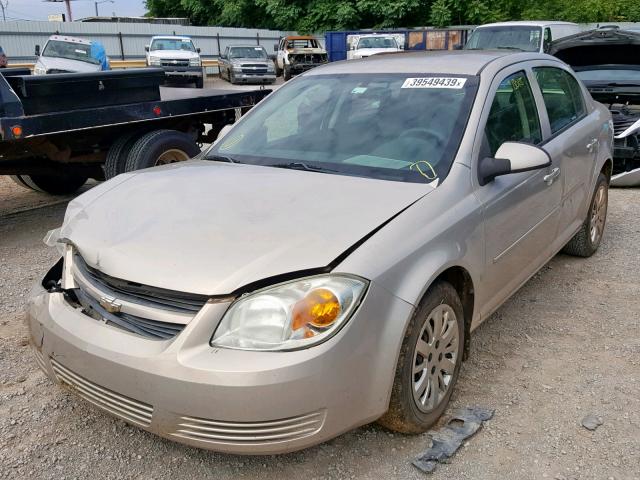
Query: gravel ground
[{"x": 565, "y": 346}]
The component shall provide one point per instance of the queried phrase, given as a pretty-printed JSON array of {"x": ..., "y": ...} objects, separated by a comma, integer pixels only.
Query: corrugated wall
[{"x": 18, "y": 39}]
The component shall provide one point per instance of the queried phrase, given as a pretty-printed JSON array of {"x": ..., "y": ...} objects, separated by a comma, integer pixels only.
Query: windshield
[
  {"x": 302, "y": 43},
  {"x": 248, "y": 52},
  {"x": 172, "y": 44},
  {"x": 377, "y": 42},
  {"x": 624, "y": 74},
  {"x": 513, "y": 37},
  {"x": 398, "y": 127},
  {"x": 70, "y": 51}
]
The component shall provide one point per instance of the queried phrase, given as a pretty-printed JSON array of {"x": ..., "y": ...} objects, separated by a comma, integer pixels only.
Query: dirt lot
[{"x": 565, "y": 346}]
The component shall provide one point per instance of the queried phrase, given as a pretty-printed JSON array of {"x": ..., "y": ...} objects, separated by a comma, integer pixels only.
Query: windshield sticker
[
  {"x": 80, "y": 51},
  {"x": 258, "y": 48},
  {"x": 425, "y": 169},
  {"x": 358, "y": 90},
  {"x": 434, "y": 82}
]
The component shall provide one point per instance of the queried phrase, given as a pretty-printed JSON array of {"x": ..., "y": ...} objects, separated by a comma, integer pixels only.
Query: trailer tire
[
  {"x": 118, "y": 153},
  {"x": 160, "y": 147},
  {"x": 199, "y": 82},
  {"x": 18, "y": 179},
  {"x": 62, "y": 184}
]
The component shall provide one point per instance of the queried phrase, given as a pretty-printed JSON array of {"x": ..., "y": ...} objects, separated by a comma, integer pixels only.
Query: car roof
[
  {"x": 458, "y": 62},
  {"x": 527, "y": 23},
  {"x": 170, "y": 37},
  {"x": 66, "y": 38}
]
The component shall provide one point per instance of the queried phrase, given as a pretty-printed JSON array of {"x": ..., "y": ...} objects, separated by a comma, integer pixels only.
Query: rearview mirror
[
  {"x": 37, "y": 50},
  {"x": 146, "y": 48},
  {"x": 198, "y": 50},
  {"x": 512, "y": 157}
]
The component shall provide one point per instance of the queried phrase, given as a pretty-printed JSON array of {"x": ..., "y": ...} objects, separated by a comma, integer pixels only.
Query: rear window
[{"x": 562, "y": 96}]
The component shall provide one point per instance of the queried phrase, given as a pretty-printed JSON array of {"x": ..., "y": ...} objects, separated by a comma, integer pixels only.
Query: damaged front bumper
[{"x": 234, "y": 401}]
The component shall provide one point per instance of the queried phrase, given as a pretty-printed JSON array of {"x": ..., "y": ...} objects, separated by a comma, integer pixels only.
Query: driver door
[{"x": 520, "y": 210}]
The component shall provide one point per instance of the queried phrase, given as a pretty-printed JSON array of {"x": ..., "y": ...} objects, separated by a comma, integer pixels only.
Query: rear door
[
  {"x": 573, "y": 139},
  {"x": 521, "y": 209}
]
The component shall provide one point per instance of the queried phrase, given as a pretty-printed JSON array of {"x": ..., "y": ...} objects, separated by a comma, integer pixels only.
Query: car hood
[
  {"x": 177, "y": 54},
  {"x": 367, "y": 52},
  {"x": 606, "y": 48},
  {"x": 210, "y": 228},
  {"x": 65, "y": 64}
]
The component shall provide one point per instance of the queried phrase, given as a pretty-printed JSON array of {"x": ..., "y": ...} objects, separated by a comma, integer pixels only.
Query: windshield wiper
[
  {"x": 220, "y": 158},
  {"x": 510, "y": 48},
  {"x": 302, "y": 166}
]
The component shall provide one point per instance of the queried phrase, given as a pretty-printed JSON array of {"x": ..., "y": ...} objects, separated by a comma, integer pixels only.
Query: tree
[{"x": 440, "y": 15}]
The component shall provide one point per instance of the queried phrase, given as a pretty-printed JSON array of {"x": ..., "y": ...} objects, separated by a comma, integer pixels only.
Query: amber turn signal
[{"x": 319, "y": 308}]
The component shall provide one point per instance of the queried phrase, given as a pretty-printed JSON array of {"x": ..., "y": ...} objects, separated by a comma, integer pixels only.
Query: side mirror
[
  {"x": 37, "y": 50},
  {"x": 457, "y": 46},
  {"x": 512, "y": 157},
  {"x": 223, "y": 56},
  {"x": 198, "y": 50},
  {"x": 146, "y": 48},
  {"x": 275, "y": 47}
]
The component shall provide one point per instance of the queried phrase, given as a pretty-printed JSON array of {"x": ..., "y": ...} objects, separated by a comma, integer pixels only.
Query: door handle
[
  {"x": 550, "y": 178},
  {"x": 593, "y": 143}
]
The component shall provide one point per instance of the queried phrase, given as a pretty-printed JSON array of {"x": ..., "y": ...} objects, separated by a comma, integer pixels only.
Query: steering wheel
[{"x": 422, "y": 132}]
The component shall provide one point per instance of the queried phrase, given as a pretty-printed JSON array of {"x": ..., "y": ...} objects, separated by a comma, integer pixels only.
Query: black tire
[
  {"x": 199, "y": 82},
  {"x": 287, "y": 73},
  {"x": 583, "y": 244},
  {"x": 62, "y": 184},
  {"x": 18, "y": 179},
  {"x": 147, "y": 150},
  {"x": 278, "y": 70},
  {"x": 404, "y": 414},
  {"x": 117, "y": 154},
  {"x": 232, "y": 77}
]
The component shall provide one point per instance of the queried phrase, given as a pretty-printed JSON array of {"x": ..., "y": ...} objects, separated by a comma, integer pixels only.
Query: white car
[
  {"x": 367, "y": 45},
  {"x": 524, "y": 36},
  {"x": 178, "y": 57},
  {"x": 63, "y": 54}
]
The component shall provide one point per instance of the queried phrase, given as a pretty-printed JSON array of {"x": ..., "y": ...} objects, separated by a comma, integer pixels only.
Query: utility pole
[
  {"x": 4, "y": 4},
  {"x": 67, "y": 4}
]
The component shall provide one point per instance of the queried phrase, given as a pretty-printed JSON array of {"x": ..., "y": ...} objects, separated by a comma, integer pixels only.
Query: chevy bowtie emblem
[
  {"x": 174, "y": 61},
  {"x": 110, "y": 304}
]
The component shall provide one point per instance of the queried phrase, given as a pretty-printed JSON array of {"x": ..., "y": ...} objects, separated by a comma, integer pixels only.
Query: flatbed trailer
[{"x": 57, "y": 131}]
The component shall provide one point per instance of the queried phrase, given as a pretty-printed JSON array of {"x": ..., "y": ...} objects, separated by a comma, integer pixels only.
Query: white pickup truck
[
  {"x": 178, "y": 57},
  {"x": 363, "y": 46}
]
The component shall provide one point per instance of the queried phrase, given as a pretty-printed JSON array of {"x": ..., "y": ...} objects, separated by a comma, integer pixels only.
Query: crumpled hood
[
  {"x": 66, "y": 64},
  {"x": 209, "y": 228}
]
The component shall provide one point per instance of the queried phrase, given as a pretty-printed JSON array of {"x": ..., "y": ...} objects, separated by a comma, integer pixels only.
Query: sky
[{"x": 38, "y": 9}]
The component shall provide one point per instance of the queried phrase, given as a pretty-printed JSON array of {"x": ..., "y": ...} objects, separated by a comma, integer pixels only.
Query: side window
[
  {"x": 546, "y": 40},
  {"x": 562, "y": 96},
  {"x": 513, "y": 116},
  {"x": 226, "y": 52}
]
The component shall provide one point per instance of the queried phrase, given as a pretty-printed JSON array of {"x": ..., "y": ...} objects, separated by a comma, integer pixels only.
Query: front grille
[
  {"x": 179, "y": 302},
  {"x": 145, "y": 327},
  {"x": 128, "y": 409},
  {"x": 174, "y": 63},
  {"x": 620, "y": 126},
  {"x": 309, "y": 58},
  {"x": 39, "y": 359},
  {"x": 248, "y": 433}
]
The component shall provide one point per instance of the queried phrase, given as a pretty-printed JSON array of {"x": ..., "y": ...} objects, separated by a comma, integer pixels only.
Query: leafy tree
[{"x": 322, "y": 15}]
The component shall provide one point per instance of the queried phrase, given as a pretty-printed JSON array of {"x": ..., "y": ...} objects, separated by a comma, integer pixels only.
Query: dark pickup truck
[{"x": 57, "y": 131}]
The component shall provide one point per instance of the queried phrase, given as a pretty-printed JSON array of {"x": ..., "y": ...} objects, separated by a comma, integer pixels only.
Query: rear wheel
[
  {"x": 161, "y": 147},
  {"x": 61, "y": 184},
  {"x": 429, "y": 362},
  {"x": 116, "y": 160},
  {"x": 587, "y": 240}
]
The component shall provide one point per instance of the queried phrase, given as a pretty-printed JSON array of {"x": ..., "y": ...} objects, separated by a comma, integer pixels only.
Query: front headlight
[
  {"x": 291, "y": 315},
  {"x": 237, "y": 68},
  {"x": 270, "y": 68},
  {"x": 155, "y": 61},
  {"x": 194, "y": 62}
]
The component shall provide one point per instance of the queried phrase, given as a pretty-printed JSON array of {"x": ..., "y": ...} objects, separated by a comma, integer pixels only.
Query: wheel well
[
  {"x": 460, "y": 279},
  {"x": 607, "y": 169}
]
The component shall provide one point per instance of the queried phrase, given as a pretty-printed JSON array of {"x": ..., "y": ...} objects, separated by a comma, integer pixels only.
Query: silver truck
[{"x": 246, "y": 64}]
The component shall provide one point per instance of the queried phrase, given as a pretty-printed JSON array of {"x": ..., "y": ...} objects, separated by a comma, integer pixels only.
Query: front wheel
[
  {"x": 287, "y": 73},
  {"x": 60, "y": 184},
  {"x": 429, "y": 362},
  {"x": 587, "y": 240}
]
